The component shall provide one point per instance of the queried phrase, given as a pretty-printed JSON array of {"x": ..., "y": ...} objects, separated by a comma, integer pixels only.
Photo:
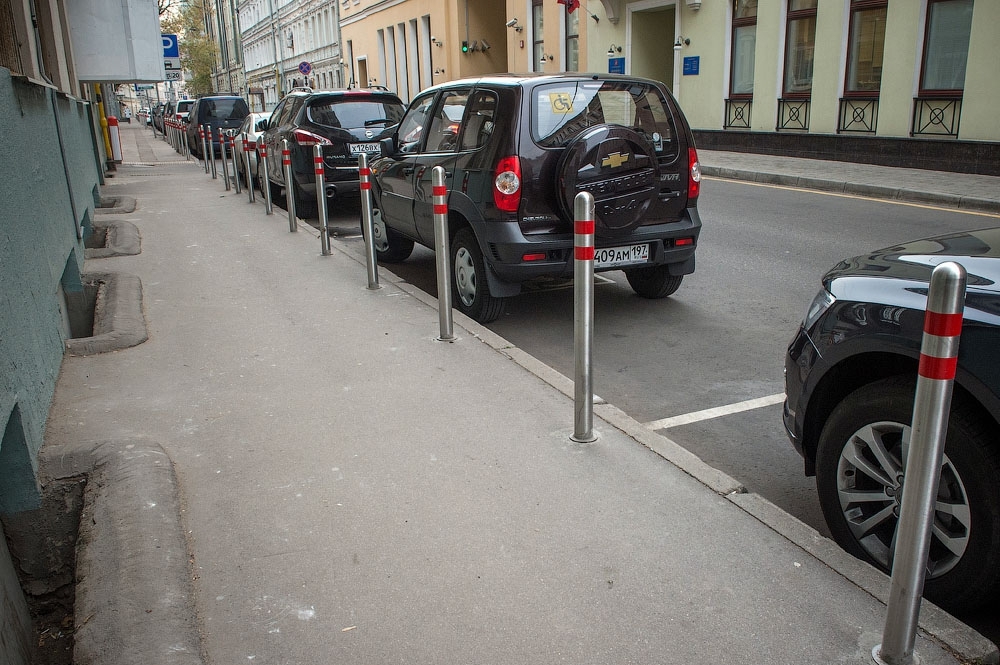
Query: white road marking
[{"x": 716, "y": 412}]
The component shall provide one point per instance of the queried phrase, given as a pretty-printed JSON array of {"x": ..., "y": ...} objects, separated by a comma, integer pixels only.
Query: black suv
[
  {"x": 516, "y": 151},
  {"x": 850, "y": 378},
  {"x": 221, "y": 112},
  {"x": 345, "y": 122}
]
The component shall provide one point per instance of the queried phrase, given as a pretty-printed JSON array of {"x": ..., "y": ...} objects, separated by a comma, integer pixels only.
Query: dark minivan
[
  {"x": 516, "y": 150},
  {"x": 221, "y": 112}
]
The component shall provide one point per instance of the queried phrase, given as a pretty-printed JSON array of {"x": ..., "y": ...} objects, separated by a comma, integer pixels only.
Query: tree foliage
[{"x": 198, "y": 51}]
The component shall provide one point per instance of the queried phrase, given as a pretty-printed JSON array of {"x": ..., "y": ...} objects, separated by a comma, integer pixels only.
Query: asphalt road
[{"x": 720, "y": 340}]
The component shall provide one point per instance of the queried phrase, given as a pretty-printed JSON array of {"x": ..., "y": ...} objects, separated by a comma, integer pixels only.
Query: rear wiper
[{"x": 378, "y": 121}]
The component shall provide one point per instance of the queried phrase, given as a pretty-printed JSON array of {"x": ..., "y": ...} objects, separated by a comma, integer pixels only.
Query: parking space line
[{"x": 716, "y": 412}]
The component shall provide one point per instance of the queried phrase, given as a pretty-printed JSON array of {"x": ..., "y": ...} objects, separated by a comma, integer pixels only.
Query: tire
[
  {"x": 275, "y": 191},
  {"x": 875, "y": 418},
  {"x": 390, "y": 247},
  {"x": 654, "y": 282},
  {"x": 472, "y": 292},
  {"x": 618, "y": 166}
]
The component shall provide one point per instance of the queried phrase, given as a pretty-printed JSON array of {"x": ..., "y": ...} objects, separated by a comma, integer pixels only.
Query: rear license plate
[
  {"x": 366, "y": 148},
  {"x": 611, "y": 257}
]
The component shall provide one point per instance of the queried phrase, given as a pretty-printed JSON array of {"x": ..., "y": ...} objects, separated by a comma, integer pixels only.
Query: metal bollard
[
  {"x": 236, "y": 174},
  {"x": 265, "y": 182},
  {"x": 368, "y": 220},
  {"x": 286, "y": 163},
  {"x": 184, "y": 143},
  {"x": 247, "y": 147},
  {"x": 922, "y": 462},
  {"x": 583, "y": 316},
  {"x": 204, "y": 153},
  {"x": 211, "y": 152},
  {"x": 225, "y": 159},
  {"x": 324, "y": 231},
  {"x": 442, "y": 253}
]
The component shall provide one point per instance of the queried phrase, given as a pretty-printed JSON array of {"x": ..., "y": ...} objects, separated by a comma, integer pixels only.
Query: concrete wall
[{"x": 48, "y": 183}]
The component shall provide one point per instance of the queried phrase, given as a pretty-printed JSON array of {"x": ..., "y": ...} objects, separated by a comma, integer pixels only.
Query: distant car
[
  {"x": 850, "y": 376},
  {"x": 516, "y": 151},
  {"x": 251, "y": 129},
  {"x": 182, "y": 108},
  {"x": 157, "y": 116},
  {"x": 223, "y": 112},
  {"x": 345, "y": 122}
]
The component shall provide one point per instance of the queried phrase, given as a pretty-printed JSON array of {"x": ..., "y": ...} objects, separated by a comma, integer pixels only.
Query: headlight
[{"x": 822, "y": 302}]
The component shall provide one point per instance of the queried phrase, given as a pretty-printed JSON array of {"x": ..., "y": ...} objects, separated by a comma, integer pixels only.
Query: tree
[{"x": 198, "y": 51}]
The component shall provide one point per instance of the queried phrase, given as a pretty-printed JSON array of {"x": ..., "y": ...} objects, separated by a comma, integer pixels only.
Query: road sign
[
  {"x": 173, "y": 76},
  {"x": 170, "y": 47},
  {"x": 305, "y": 68},
  {"x": 172, "y": 64}
]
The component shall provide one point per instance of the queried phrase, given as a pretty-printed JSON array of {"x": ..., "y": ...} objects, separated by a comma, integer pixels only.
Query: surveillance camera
[{"x": 511, "y": 23}]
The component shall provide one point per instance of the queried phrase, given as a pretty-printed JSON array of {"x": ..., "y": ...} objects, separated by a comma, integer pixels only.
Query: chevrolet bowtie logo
[{"x": 615, "y": 159}]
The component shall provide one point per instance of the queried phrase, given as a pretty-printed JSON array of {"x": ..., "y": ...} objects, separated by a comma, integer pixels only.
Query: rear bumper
[{"x": 505, "y": 246}]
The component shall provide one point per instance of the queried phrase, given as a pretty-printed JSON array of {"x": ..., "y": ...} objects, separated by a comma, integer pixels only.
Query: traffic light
[{"x": 465, "y": 47}]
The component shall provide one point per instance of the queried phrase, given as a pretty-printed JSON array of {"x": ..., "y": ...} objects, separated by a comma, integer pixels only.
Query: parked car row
[{"x": 516, "y": 150}]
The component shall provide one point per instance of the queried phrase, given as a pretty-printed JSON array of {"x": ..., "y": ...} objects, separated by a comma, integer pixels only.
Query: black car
[
  {"x": 345, "y": 122},
  {"x": 850, "y": 377},
  {"x": 225, "y": 112},
  {"x": 516, "y": 150}
]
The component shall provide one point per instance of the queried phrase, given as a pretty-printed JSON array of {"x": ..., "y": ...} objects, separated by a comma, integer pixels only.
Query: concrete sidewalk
[{"x": 349, "y": 490}]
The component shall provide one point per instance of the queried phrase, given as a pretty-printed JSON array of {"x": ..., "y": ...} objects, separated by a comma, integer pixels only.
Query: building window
[
  {"x": 946, "y": 46},
  {"x": 744, "y": 44},
  {"x": 537, "y": 36},
  {"x": 572, "y": 42},
  {"x": 800, "y": 45},
  {"x": 866, "y": 48}
]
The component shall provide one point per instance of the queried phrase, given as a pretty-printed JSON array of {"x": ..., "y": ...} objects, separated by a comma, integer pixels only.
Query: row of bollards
[{"x": 936, "y": 374}]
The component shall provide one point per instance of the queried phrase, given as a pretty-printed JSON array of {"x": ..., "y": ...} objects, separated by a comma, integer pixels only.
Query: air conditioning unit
[{"x": 694, "y": 4}]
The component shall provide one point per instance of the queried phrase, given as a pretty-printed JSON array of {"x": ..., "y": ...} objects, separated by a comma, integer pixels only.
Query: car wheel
[
  {"x": 275, "y": 190},
  {"x": 390, "y": 247},
  {"x": 618, "y": 166},
  {"x": 859, "y": 475},
  {"x": 472, "y": 292},
  {"x": 653, "y": 282}
]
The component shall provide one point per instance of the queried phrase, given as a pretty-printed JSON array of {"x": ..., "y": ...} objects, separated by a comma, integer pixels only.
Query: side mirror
[
  {"x": 387, "y": 146},
  {"x": 261, "y": 125}
]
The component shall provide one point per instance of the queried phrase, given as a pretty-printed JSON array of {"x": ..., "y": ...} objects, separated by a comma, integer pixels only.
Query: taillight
[
  {"x": 694, "y": 174},
  {"x": 302, "y": 137},
  {"x": 507, "y": 184}
]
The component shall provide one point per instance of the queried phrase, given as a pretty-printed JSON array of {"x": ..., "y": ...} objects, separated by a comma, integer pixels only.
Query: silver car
[{"x": 251, "y": 129}]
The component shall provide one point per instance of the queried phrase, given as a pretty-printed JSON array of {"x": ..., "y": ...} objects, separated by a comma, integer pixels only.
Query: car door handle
[
  {"x": 408, "y": 170},
  {"x": 669, "y": 195}
]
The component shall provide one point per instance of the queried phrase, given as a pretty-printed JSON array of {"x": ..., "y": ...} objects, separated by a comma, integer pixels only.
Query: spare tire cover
[{"x": 617, "y": 165}]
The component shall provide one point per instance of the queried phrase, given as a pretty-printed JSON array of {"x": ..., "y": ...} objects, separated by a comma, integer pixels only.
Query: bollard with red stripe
[
  {"x": 368, "y": 219},
  {"x": 442, "y": 253},
  {"x": 265, "y": 181},
  {"x": 225, "y": 158},
  {"x": 922, "y": 461},
  {"x": 321, "y": 198},
  {"x": 248, "y": 147},
  {"x": 236, "y": 173},
  {"x": 583, "y": 316},
  {"x": 286, "y": 165}
]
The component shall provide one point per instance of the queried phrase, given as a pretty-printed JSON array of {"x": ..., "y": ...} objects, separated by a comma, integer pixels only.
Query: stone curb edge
[{"x": 968, "y": 203}]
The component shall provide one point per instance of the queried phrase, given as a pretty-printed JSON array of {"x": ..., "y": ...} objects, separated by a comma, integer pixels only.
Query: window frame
[
  {"x": 792, "y": 16},
  {"x": 572, "y": 20},
  {"x": 956, "y": 93},
  {"x": 741, "y": 22},
  {"x": 858, "y": 7}
]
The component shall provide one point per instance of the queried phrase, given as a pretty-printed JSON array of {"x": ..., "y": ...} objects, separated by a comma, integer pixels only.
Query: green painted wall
[{"x": 48, "y": 181}]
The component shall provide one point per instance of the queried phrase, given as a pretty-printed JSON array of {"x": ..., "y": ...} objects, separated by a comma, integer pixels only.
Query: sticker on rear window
[{"x": 561, "y": 102}]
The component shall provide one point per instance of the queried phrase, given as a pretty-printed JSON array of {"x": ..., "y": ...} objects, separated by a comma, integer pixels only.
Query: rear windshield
[
  {"x": 561, "y": 111},
  {"x": 225, "y": 109},
  {"x": 355, "y": 114},
  {"x": 185, "y": 105}
]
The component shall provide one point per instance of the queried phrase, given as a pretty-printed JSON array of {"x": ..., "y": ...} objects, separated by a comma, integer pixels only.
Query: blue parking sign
[{"x": 170, "y": 48}]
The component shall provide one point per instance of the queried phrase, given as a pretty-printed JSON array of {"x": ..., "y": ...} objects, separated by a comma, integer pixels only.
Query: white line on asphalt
[{"x": 708, "y": 414}]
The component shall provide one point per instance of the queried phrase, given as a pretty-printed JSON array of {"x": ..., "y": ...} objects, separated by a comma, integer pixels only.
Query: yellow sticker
[{"x": 561, "y": 102}]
